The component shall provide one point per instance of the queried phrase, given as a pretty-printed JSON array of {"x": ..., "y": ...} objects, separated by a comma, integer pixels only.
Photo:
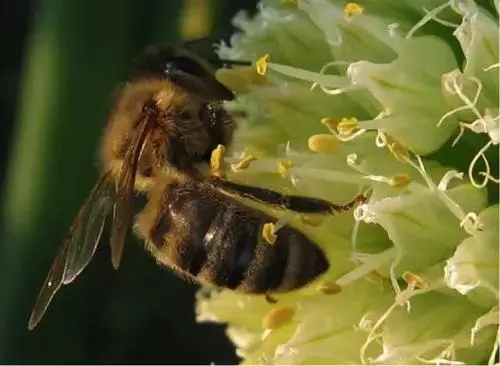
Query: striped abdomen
[{"x": 200, "y": 232}]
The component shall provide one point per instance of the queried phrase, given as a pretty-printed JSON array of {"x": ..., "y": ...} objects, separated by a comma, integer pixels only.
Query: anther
[
  {"x": 217, "y": 161},
  {"x": 329, "y": 288},
  {"x": 278, "y": 317},
  {"x": 347, "y": 126},
  {"x": 329, "y": 123},
  {"x": 269, "y": 233},
  {"x": 261, "y": 65},
  {"x": 400, "y": 180},
  {"x": 244, "y": 163},
  {"x": 415, "y": 281},
  {"x": 284, "y": 167},
  {"x": 324, "y": 143},
  {"x": 352, "y": 9},
  {"x": 398, "y": 151}
]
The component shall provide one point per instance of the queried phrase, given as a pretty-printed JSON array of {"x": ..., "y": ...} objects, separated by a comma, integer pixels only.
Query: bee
[
  {"x": 169, "y": 113},
  {"x": 161, "y": 134}
]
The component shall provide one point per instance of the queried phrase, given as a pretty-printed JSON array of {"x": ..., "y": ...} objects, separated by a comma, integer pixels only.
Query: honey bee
[
  {"x": 161, "y": 133},
  {"x": 169, "y": 113}
]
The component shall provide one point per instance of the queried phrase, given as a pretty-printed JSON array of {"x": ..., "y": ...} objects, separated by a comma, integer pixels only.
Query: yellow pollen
[
  {"x": 269, "y": 233},
  {"x": 244, "y": 162},
  {"x": 217, "y": 161},
  {"x": 398, "y": 151},
  {"x": 414, "y": 280},
  {"x": 261, "y": 65},
  {"x": 347, "y": 126},
  {"x": 284, "y": 166},
  {"x": 329, "y": 288},
  {"x": 278, "y": 317},
  {"x": 324, "y": 143},
  {"x": 400, "y": 180},
  {"x": 351, "y": 10},
  {"x": 329, "y": 123}
]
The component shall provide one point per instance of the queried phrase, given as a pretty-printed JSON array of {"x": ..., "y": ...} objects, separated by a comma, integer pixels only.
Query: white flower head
[{"x": 397, "y": 101}]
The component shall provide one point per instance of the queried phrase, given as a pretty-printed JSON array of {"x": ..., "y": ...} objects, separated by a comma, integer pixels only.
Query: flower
[{"x": 398, "y": 100}]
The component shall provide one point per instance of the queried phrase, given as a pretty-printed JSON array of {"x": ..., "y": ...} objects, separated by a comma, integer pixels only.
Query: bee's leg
[
  {"x": 270, "y": 299},
  {"x": 301, "y": 204},
  {"x": 217, "y": 161}
]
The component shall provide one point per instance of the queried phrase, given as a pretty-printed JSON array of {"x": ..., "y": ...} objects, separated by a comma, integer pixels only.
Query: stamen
[
  {"x": 331, "y": 84},
  {"x": 244, "y": 163},
  {"x": 414, "y": 280},
  {"x": 391, "y": 29},
  {"x": 493, "y": 354},
  {"x": 445, "y": 357},
  {"x": 485, "y": 174},
  {"x": 449, "y": 175},
  {"x": 217, "y": 161},
  {"x": 261, "y": 65},
  {"x": 372, "y": 335},
  {"x": 381, "y": 139},
  {"x": 330, "y": 124},
  {"x": 427, "y": 17},
  {"x": 329, "y": 288},
  {"x": 460, "y": 134},
  {"x": 354, "y": 235},
  {"x": 491, "y": 67},
  {"x": 371, "y": 262},
  {"x": 324, "y": 143},
  {"x": 269, "y": 233},
  {"x": 278, "y": 317},
  {"x": 452, "y": 206},
  {"x": 442, "y": 21},
  {"x": 492, "y": 317},
  {"x": 352, "y": 160},
  {"x": 398, "y": 151},
  {"x": 456, "y": 89},
  {"x": 366, "y": 323},
  {"x": 471, "y": 223},
  {"x": 490, "y": 177},
  {"x": 365, "y": 213},
  {"x": 347, "y": 126},
  {"x": 284, "y": 167},
  {"x": 400, "y": 180},
  {"x": 352, "y": 9}
]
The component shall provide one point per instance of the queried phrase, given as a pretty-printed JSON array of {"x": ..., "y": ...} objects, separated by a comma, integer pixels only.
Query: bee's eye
[{"x": 207, "y": 113}]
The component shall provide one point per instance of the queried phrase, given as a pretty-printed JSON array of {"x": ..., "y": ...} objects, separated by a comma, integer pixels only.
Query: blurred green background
[{"x": 61, "y": 60}]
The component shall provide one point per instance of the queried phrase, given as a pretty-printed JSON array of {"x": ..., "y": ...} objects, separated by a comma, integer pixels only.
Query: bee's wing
[
  {"x": 78, "y": 247},
  {"x": 125, "y": 189}
]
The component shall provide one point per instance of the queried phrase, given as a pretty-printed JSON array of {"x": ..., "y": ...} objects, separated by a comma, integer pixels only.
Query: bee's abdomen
[
  {"x": 219, "y": 241},
  {"x": 290, "y": 263}
]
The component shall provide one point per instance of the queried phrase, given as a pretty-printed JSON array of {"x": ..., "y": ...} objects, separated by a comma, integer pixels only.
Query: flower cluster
[{"x": 397, "y": 100}]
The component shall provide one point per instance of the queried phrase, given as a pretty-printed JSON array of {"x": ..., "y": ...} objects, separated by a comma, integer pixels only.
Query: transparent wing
[
  {"x": 125, "y": 189},
  {"x": 78, "y": 247}
]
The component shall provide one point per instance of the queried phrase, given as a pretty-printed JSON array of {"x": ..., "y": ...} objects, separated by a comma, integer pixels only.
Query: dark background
[{"x": 60, "y": 61}]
